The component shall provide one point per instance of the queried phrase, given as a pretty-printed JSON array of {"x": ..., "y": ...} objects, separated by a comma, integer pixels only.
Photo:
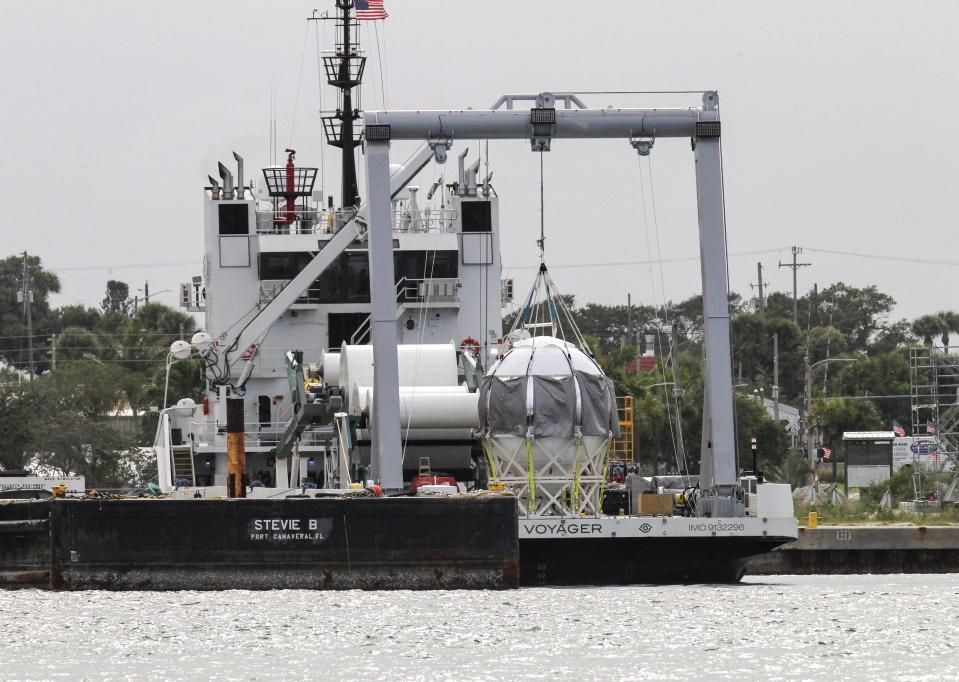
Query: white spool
[
  {"x": 330, "y": 368},
  {"x": 441, "y": 410},
  {"x": 431, "y": 364}
]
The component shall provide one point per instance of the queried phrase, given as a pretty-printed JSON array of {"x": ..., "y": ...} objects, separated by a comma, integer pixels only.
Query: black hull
[
  {"x": 626, "y": 561},
  {"x": 335, "y": 543},
  {"x": 326, "y": 543}
]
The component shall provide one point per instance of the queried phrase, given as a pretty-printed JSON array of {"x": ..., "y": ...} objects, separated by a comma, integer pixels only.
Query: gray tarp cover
[
  {"x": 554, "y": 407},
  {"x": 554, "y": 403},
  {"x": 507, "y": 405}
]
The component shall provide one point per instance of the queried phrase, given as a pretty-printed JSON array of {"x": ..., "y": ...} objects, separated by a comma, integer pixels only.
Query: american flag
[
  {"x": 370, "y": 10},
  {"x": 930, "y": 426},
  {"x": 897, "y": 429},
  {"x": 826, "y": 453}
]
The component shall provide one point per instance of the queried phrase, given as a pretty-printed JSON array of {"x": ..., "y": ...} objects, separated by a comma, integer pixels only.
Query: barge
[{"x": 361, "y": 348}]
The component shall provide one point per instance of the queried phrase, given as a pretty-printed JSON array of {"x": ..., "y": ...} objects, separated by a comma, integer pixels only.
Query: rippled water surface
[{"x": 774, "y": 627}]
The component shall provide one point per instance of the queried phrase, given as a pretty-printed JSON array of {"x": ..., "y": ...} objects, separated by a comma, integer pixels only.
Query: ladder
[
  {"x": 621, "y": 449},
  {"x": 183, "y": 464}
]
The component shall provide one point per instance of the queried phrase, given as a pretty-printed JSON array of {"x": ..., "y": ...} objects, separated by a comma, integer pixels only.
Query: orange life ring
[{"x": 469, "y": 343}]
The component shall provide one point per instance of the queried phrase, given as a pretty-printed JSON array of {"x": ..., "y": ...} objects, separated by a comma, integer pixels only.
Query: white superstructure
[{"x": 449, "y": 293}]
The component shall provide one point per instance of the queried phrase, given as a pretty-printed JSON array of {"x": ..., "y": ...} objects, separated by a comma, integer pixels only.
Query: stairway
[{"x": 183, "y": 464}]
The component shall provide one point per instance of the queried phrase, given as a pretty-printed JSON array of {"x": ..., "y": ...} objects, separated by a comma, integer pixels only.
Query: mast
[{"x": 344, "y": 71}]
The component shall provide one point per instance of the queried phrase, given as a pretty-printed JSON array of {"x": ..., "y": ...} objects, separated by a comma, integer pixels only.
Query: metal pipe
[
  {"x": 471, "y": 177},
  {"x": 227, "y": 178},
  {"x": 215, "y": 186},
  {"x": 239, "y": 176},
  {"x": 515, "y": 124},
  {"x": 461, "y": 169},
  {"x": 235, "y": 449}
]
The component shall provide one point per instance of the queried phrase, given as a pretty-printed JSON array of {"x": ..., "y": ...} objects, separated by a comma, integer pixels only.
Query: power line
[
  {"x": 641, "y": 262},
  {"x": 897, "y": 259},
  {"x": 125, "y": 266}
]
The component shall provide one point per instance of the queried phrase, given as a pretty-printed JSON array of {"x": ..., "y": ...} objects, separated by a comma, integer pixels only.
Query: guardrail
[{"x": 440, "y": 220}]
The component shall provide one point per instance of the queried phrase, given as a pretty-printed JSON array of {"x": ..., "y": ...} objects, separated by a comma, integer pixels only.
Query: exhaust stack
[
  {"x": 227, "y": 178},
  {"x": 462, "y": 170},
  {"x": 471, "y": 177},
  {"x": 239, "y": 176}
]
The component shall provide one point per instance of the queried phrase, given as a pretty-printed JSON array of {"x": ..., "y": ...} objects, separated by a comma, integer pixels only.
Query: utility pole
[
  {"x": 807, "y": 403},
  {"x": 761, "y": 304},
  {"x": 25, "y": 296},
  {"x": 629, "y": 319},
  {"x": 776, "y": 379},
  {"x": 795, "y": 268},
  {"x": 146, "y": 293}
]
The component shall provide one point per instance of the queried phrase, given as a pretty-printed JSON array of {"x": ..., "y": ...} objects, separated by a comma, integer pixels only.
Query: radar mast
[{"x": 344, "y": 71}]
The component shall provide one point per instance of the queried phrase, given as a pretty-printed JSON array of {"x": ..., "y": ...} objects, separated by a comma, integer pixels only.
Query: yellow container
[
  {"x": 813, "y": 520},
  {"x": 497, "y": 486}
]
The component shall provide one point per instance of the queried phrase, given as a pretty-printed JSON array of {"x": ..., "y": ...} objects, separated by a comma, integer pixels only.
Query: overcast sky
[{"x": 839, "y": 132}]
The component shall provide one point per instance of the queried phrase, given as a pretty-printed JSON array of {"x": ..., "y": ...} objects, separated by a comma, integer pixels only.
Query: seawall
[{"x": 864, "y": 549}]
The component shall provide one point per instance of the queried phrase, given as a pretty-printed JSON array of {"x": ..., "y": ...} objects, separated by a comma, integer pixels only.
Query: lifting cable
[
  {"x": 681, "y": 463},
  {"x": 541, "y": 243}
]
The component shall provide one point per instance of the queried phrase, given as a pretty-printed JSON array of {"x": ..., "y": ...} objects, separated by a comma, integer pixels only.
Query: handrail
[
  {"x": 412, "y": 290},
  {"x": 326, "y": 221}
]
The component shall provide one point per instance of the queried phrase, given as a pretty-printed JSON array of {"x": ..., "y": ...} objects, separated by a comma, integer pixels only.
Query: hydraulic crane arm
[{"x": 251, "y": 335}]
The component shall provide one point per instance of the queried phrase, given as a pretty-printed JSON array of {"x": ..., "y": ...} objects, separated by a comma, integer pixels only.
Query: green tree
[
  {"x": 857, "y": 313},
  {"x": 75, "y": 343},
  {"x": 950, "y": 320},
  {"x": 890, "y": 337},
  {"x": 886, "y": 374},
  {"x": 19, "y": 409},
  {"x": 74, "y": 316},
  {"x": 117, "y": 298},
  {"x": 13, "y": 326},
  {"x": 79, "y": 435},
  {"x": 927, "y": 327},
  {"x": 835, "y": 416}
]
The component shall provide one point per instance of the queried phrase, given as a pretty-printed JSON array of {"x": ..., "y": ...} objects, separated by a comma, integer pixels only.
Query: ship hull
[
  {"x": 459, "y": 542},
  {"x": 627, "y": 561},
  {"x": 324, "y": 543},
  {"x": 624, "y": 550}
]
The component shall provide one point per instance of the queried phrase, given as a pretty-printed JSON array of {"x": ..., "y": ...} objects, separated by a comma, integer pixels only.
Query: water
[{"x": 780, "y": 627}]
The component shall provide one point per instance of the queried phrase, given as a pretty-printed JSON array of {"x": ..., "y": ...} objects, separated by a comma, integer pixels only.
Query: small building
[
  {"x": 788, "y": 417},
  {"x": 868, "y": 457}
]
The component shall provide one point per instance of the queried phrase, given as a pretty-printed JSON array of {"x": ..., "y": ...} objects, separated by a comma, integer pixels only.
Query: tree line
[
  {"x": 838, "y": 321},
  {"x": 99, "y": 371},
  {"x": 110, "y": 361}
]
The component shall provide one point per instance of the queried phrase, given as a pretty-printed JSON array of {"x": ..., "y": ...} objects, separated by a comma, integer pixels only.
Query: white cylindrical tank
[{"x": 547, "y": 412}]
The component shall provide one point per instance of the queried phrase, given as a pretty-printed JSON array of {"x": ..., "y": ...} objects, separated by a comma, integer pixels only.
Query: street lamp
[
  {"x": 807, "y": 401},
  {"x": 182, "y": 350}
]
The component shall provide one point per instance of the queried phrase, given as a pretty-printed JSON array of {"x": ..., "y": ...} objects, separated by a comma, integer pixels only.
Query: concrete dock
[{"x": 864, "y": 549}]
